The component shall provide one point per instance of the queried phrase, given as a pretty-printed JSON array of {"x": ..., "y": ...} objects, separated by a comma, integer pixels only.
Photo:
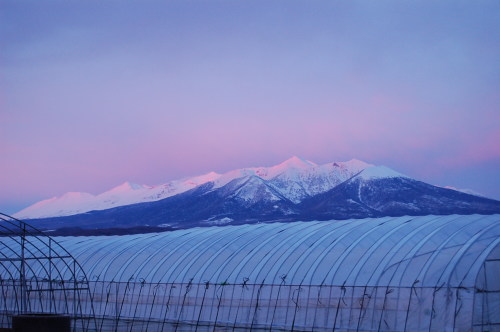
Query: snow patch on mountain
[
  {"x": 218, "y": 222},
  {"x": 379, "y": 172},
  {"x": 65, "y": 205},
  {"x": 253, "y": 189},
  {"x": 299, "y": 183},
  {"x": 465, "y": 191},
  {"x": 126, "y": 187}
]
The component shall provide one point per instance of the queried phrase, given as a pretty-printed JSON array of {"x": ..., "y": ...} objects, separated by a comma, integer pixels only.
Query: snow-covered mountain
[
  {"x": 294, "y": 179},
  {"x": 379, "y": 191},
  {"x": 294, "y": 190},
  {"x": 124, "y": 194}
]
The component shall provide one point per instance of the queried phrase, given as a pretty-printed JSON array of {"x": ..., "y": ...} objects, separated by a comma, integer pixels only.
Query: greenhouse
[
  {"x": 41, "y": 284},
  {"x": 427, "y": 273}
]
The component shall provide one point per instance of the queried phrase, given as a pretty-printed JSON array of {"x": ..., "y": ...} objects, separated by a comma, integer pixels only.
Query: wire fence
[
  {"x": 47, "y": 297},
  {"x": 140, "y": 306}
]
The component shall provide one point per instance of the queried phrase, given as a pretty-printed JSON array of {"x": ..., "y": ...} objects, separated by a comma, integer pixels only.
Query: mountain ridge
[
  {"x": 131, "y": 193},
  {"x": 298, "y": 191}
]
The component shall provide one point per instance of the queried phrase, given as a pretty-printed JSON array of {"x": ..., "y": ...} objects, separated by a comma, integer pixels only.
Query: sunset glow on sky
[{"x": 95, "y": 93}]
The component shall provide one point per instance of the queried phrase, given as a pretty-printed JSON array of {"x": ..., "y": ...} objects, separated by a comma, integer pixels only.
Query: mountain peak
[
  {"x": 379, "y": 172},
  {"x": 201, "y": 179},
  {"x": 126, "y": 186},
  {"x": 358, "y": 164},
  {"x": 296, "y": 162}
]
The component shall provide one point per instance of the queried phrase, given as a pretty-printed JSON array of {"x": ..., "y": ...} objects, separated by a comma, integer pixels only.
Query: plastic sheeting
[
  {"x": 427, "y": 273},
  {"x": 429, "y": 251}
]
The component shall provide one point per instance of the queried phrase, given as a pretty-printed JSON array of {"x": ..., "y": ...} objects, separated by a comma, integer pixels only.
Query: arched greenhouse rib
[
  {"x": 39, "y": 276},
  {"x": 427, "y": 273}
]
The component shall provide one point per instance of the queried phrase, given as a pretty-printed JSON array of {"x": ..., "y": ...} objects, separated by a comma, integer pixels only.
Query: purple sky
[{"x": 94, "y": 93}]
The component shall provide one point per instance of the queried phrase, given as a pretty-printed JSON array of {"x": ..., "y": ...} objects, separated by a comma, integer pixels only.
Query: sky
[{"x": 98, "y": 92}]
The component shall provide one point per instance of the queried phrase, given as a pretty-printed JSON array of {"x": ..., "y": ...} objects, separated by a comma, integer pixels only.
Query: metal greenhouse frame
[
  {"x": 425, "y": 273},
  {"x": 39, "y": 276}
]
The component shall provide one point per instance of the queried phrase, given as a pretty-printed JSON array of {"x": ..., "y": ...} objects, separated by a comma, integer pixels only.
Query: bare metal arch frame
[{"x": 38, "y": 275}]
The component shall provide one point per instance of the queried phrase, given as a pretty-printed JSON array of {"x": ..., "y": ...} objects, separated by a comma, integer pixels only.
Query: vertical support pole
[
  {"x": 22, "y": 277},
  {"x": 51, "y": 290},
  {"x": 75, "y": 317}
]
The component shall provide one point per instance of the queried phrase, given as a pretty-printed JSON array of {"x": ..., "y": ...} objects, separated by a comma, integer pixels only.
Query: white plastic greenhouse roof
[{"x": 391, "y": 251}]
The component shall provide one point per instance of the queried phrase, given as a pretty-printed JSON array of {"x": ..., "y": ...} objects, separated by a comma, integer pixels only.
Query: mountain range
[{"x": 296, "y": 189}]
